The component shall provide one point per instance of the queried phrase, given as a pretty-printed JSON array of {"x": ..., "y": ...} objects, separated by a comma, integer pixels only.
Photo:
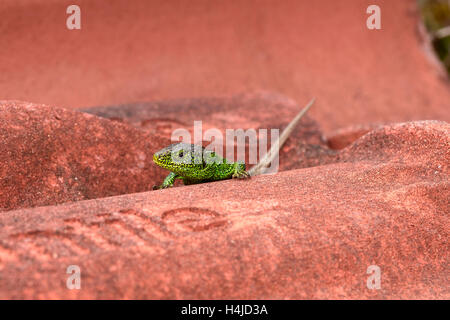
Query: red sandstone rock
[
  {"x": 152, "y": 50},
  {"x": 301, "y": 234},
  {"x": 52, "y": 155},
  {"x": 343, "y": 137},
  {"x": 71, "y": 156}
]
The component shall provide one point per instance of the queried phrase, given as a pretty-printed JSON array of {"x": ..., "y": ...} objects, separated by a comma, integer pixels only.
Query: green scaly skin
[{"x": 196, "y": 166}]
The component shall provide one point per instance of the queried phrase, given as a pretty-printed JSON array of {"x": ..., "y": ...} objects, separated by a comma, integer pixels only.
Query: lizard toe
[{"x": 241, "y": 175}]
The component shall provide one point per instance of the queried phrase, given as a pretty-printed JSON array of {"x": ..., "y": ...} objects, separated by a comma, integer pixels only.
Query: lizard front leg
[
  {"x": 168, "y": 181},
  {"x": 239, "y": 171}
]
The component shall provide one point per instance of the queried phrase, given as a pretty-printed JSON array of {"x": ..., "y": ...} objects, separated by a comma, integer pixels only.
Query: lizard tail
[{"x": 261, "y": 166}]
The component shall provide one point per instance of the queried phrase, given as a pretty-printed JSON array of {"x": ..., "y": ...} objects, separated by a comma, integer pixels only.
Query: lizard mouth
[{"x": 157, "y": 161}]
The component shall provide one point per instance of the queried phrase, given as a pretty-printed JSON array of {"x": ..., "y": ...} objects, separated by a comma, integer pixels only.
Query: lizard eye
[{"x": 181, "y": 153}]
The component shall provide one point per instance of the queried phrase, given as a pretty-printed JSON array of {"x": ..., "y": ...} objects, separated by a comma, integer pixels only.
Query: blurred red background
[{"x": 140, "y": 50}]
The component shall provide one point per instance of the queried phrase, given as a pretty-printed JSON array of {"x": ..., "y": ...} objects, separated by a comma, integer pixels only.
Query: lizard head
[{"x": 180, "y": 158}]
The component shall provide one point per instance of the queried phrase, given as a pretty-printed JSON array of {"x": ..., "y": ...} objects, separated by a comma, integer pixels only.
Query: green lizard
[{"x": 193, "y": 164}]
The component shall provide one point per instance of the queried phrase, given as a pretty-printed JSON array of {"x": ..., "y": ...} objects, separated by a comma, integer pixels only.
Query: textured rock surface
[
  {"x": 307, "y": 233},
  {"x": 343, "y": 137},
  {"x": 52, "y": 155},
  {"x": 152, "y": 50}
]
